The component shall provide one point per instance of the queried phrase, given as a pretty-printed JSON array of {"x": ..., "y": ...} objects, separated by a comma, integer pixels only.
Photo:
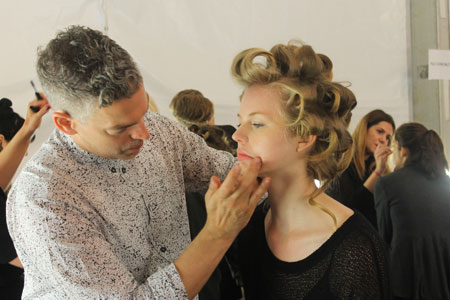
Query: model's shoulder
[{"x": 359, "y": 235}]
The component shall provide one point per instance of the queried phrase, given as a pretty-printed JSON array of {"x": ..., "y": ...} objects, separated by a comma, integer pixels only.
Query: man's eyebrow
[
  {"x": 122, "y": 126},
  {"x": 117, "y": 127}
]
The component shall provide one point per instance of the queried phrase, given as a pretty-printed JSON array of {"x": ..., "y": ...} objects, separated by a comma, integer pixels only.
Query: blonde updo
[{"x": 313, "y": 104}]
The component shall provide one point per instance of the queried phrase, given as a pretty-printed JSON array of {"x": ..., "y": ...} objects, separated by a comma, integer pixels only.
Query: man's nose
[{"x": 140, "y": 132}]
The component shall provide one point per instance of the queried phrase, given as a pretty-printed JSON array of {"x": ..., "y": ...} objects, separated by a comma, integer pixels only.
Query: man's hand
[{"x": 230, "y": 205}]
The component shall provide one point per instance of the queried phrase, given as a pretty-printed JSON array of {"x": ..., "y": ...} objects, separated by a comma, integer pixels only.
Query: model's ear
[
  {"x": 403, "y": 152},
  {"x": 64, "y": 122},
  {"x": 305, "y": 143}
]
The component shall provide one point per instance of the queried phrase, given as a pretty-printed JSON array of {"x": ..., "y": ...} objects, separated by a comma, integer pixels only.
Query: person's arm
[
  {"x": 381, "y": 155},
  {"x": 229, "y": 208},
  {"x": 65, "y": 241},
  {"x": 12, "y": 155}
]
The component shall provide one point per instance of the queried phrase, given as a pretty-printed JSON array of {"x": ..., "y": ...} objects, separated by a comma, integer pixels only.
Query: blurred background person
[
  {"x": 190, "y": 107},
  {"x": 413, "y": 212},
  {"x": 15, "y": 137},
  {"x": 371, "y": 141}
]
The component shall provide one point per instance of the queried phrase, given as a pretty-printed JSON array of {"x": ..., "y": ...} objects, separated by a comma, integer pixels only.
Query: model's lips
[{"x": 241, "y": 155}]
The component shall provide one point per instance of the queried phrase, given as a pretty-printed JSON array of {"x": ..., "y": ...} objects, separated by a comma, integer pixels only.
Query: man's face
[{"x": 116, "y": 131}]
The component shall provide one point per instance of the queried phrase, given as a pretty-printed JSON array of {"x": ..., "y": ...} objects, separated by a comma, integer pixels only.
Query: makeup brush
[{"x": 35, "y": 108}]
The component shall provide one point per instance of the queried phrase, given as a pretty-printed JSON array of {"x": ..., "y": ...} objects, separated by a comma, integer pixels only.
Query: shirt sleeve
[
  {"x": 63, "y": 248},
  {"x": 200, "y": 161},
  {"x": 382, "y": 206}
]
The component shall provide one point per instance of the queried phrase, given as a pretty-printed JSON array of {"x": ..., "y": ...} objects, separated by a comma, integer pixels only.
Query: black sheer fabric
[{"x": 349, "y": 265}]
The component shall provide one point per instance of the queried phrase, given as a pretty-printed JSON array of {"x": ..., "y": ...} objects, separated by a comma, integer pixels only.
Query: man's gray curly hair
[{"x": 82, "y": 69}]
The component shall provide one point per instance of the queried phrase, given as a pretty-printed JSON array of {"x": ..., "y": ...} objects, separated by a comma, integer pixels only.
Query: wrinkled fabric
[{"x": 87, "y": 227}]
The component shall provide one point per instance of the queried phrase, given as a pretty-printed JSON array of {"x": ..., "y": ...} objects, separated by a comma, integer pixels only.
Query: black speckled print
[{"x": 87, "y": 227}]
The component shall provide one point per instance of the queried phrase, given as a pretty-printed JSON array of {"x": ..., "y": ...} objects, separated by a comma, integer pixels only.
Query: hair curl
[
  {"x": 313, "y": 104},
  {"x": 425, "y": 149},
  {"x": 190, "y": 107},
  {"x": 81, "y": 67}
]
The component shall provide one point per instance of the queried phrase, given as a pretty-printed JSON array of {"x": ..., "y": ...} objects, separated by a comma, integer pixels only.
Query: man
[{"x": 99, "y": 211}]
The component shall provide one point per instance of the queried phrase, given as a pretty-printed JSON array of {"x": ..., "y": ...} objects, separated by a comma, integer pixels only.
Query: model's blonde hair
[
  {"x": 359, "y": 137},
  {"x": 313, "y": 104},
  {"x": 190, "y": 107}
]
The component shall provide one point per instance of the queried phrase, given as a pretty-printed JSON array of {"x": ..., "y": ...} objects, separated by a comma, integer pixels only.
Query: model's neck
[{"x": 288, "y": 198}]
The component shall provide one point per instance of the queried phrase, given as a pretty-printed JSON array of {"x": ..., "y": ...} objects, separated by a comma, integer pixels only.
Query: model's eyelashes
[{"x": 257, "y": 125}]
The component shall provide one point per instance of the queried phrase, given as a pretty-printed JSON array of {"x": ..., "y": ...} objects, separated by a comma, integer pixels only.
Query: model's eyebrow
[{"x": 252, "y": 114}]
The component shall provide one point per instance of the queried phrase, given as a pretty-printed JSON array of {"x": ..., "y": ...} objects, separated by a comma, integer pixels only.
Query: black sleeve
[
  {"x": 7, "y": 251},
  {"x": 382, "y": 211}
]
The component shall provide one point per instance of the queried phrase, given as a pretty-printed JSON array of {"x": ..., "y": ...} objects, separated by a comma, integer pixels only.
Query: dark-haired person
[
  {"x": 371, "y": 141},
  {"x": 99, "y": 212},
  {"x": 413, "y": 212},
  {"x": 15, "y": 136},
  {"x": 301, "y": 243}
]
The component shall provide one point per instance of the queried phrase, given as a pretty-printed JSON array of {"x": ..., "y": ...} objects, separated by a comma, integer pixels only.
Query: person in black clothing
[
  {"x": 300, "y": 243},
  {"x": 15, "y": 136},
  {"x": 371, "y": 141},
  {"x": 413, "y": 209}
]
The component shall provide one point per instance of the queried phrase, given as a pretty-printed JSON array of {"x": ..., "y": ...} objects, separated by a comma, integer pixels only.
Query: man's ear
[
  {"x": 64, "y": 122},
  {"x": 305, "y": 143}
]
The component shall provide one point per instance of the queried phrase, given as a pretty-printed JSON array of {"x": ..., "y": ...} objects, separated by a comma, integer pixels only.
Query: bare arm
[
  {"x": 381, "y": 155},
  {"x": 12, "y": 155}
]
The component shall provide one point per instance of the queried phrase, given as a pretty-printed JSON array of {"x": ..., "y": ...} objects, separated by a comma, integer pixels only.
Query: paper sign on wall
[{"x": 439, "y": 64}]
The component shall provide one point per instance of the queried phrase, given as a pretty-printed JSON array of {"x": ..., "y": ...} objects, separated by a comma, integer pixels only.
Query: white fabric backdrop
[{"x": 191, "y": 44}]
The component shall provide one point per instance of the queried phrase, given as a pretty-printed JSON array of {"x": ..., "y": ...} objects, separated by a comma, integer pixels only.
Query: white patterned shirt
[{"x": 87, "y": 227}]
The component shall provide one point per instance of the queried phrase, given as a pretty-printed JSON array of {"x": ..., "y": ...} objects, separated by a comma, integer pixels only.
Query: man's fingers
[
  {"x": 231, "y": 182},
  {"x": 260, "y": 191},
  {"x": 214, "y": 184},
  {"x": 248, "y": 176}
]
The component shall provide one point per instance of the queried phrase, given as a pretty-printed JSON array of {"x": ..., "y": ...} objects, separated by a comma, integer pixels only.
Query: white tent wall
[{"x": 191, "y": 44}]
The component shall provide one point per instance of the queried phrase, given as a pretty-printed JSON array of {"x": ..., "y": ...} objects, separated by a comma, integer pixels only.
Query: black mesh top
[{"x": 351, "y": 264}]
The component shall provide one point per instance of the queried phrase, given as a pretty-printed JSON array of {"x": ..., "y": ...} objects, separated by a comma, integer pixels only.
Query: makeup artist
[{"x": 15, "y": 136}]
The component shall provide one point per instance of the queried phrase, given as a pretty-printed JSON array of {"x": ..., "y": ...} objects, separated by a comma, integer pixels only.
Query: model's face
[
  {"x": 116, "y": 131},
  {"x": 261, "y": 132},
  {"x": 380, "y": 133}
]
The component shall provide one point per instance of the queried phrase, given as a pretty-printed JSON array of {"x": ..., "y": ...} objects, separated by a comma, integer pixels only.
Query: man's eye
[{"x": 257, "y": 125}]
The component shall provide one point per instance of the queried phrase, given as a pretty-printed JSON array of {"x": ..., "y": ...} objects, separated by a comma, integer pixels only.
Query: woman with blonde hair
[
  {"x": 413, "y": 209},
  {"x": 372, "y": 138},
  {"x": 301, "y": 243}
]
